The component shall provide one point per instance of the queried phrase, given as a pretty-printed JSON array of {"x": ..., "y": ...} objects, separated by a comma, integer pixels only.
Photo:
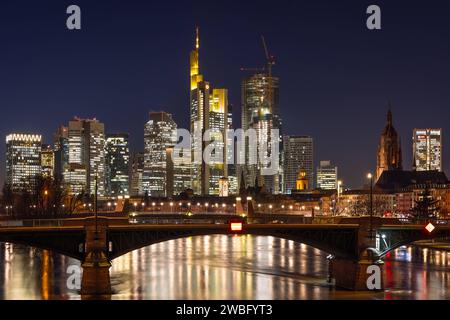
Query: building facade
[
  {"x": 327, "y": 176},
  {"x": 117, "y": 165},
  {"x": 260, "y": 112},
  {"x": 48, "y": 161},
  {"x": 23, "y": 161},
  {"x": 86, "y": 153},
  {"x": 61, "y": 151},
  {"x": 389, "y": 155},
  {"x": 427, "y": 149},
  {"x": 298, "y": 155},
  {"x": 208, "y": 116},
  {"x": 137, "y": 173},
  {"x": 160, "y": 133}
]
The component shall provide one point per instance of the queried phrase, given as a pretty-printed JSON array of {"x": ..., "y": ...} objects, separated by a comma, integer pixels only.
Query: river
[{"x": 222, "y": 267}]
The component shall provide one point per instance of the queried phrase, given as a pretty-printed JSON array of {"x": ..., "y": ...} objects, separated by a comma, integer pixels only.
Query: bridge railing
[{"x": 33, "y": 223}]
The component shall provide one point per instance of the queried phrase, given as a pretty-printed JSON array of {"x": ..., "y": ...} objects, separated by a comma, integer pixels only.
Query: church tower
[{"x": 389, "y": 149}]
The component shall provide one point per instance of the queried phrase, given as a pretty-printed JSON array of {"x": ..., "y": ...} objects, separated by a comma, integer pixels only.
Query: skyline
[{"x": 303, "y": 89}]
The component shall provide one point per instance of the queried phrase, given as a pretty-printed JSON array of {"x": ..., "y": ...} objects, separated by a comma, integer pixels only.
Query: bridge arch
[
  {"x": 67, "y": 243},
  {"x": 338, "y": 243}
]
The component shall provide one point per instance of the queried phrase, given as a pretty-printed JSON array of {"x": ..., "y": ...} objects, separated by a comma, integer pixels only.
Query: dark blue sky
[{"x": 131, "y": 57}]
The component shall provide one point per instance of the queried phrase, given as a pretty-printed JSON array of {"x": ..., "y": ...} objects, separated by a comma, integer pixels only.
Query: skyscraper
[
  {"x": 389, "y": 149},
  {"x": 178, "y": 170},
  {"x": 117, "y": 165},
  {"x": 61, "y": 151},
  {"x": 427, "y": 149},
  {"x": 260, "y": 112},
  {"x": 208, "y": 113},
  {"x": 47, "y": 161},
  {"x": 327, "y": 176},
  {"x": 160, "y": 133},
  {"x": 298, "y": 156},
  {"x": 86, "y": 155},
  {"x": 23, "y": 161},
  {"x": 137, "y": 172}
]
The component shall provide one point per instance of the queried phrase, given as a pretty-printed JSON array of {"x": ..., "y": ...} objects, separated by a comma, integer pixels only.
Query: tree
[{"x": 426, "y": 207}]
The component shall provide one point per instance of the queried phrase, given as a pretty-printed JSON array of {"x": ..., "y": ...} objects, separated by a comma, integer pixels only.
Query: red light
[{"x": 236, "y": 226}]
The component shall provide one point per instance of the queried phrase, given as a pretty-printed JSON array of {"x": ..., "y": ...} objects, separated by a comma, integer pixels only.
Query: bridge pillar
[
  {"x": 366, "y": 271},
  {"x": 96, "y": 283},
  {"x": 358, "y": 275}
]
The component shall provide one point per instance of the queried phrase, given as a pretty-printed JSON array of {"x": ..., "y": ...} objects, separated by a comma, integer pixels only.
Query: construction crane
[{"x": 270, "y": 59}]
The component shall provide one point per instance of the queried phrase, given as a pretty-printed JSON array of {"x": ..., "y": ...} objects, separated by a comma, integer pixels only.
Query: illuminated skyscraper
[
  {"x": 23, "y": 161},
  {"x": 61, "y": 150},
  {"x": 427, "y": 149},
  {"x": 178, "y": 173},
  {"x": 137, "y": 172},
  {"x": 327, "y": 176},
  {"x": 298, "y": 157},
  {"x": 260, "y": 111},
  {"x": 47, "y": 161},
  {"x": 117, "y": 165},
  {"x": 86, "y": 152},
  {"x": 160, "y": 133},
  {"x": 208, "y": 113}
]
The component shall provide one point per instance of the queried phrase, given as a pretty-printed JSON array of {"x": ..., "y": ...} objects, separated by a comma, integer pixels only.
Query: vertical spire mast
[{"x": 197, "y": 39}]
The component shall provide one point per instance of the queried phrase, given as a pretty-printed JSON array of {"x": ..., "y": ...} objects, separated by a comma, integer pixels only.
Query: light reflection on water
[{"x": 222, "y": 267}]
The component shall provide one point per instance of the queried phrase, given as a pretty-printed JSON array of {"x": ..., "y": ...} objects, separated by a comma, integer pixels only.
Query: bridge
[{"x": 97, "y": 242}]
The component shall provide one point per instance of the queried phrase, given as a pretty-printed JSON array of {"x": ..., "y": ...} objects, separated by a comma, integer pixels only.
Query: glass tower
[
  {"x": 23, "y": 161},
  {"x": 117, "y": 164},
  {"x": 427, "y": 148}
]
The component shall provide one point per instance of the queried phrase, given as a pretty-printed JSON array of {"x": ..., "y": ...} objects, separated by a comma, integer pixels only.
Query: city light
[
  {"x": 430, "y": 227},
  {"x": 236, "y": 226}
]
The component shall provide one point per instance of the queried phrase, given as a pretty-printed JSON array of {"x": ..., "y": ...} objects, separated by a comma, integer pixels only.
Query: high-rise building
[
  {"x": 427, "y": 149},
  {"x": 298, "y": 155},
  {"x": 61, "y": 151},
  {"x": 23, "y": 161},
  {"x": 178, "y": 170},
  {"x": 137, "y": 172},
  {"x": 327, "y": 176},
  {"x": 117, "y": 165},
  {"x": 208, "y": 113},
  {"x": 47, "y": 161},
  {"x": 389, "y": 149},
  {"x": 260, "y": 112},
  {"x": 159, "y": 134},
  {"x": 86, "y": 152}
]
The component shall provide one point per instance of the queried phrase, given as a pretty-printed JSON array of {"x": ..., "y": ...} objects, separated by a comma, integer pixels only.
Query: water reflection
[{"x": 222, "y": 267}]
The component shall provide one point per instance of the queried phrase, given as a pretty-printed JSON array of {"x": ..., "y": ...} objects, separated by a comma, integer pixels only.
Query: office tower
[
  {"x": 389, "y": 149},
  {"x": 137, "y": 172},
  {"x": 298, "y": 155},
  {"x": 208, "y": 113},
  {"x": 117, "y": 165},
  {"x": 23, "y": 161},
  {"x": 427, "y": 149},
  {"x": 61, "y": 151},
  {"x": 160, "y": 133},
  {"x": 327, "y": 176},
  {"x": 178, "y": 170},
  {"x": 86, "y": 156},
  {"x": 231, "y": 155},
  {"x": 260, "y": 112},
  {"x": 47, "y": 161}
]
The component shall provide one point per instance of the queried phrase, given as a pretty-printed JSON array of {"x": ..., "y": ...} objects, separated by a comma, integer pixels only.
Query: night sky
[{"x": 132, "y": 57}]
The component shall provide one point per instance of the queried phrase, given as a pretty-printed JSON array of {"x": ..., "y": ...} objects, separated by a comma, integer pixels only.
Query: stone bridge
[{"x": 97, "y": 242}]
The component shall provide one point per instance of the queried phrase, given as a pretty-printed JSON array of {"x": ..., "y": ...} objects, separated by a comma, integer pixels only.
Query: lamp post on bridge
[
  {"x": 370, "y": 177},
  {"x": 96, "y": 207}
]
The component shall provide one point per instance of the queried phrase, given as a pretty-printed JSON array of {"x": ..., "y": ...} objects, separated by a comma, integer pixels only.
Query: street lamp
[
  {"x": 336, "y": 205},
  {"x": 370, "y": 177}
]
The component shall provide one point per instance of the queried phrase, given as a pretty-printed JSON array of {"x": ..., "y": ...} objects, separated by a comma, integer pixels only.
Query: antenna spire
[{"x": 197, "y": 38}]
